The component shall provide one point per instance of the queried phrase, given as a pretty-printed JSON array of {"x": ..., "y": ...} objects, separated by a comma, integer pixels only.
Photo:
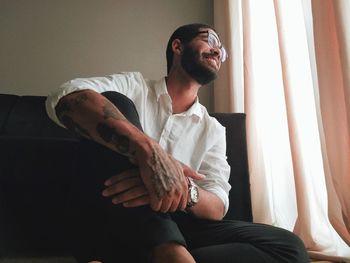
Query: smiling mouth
[{"x": 212, "y": 61}]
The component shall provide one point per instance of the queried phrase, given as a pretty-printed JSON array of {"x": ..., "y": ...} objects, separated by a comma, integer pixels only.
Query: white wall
[{"x": 43, "y": 43}]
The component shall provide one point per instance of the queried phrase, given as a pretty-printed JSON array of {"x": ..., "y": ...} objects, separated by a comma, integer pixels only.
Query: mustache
[
  {"x": 210, "y": 55},
  {"x": 214, "y": 56}
]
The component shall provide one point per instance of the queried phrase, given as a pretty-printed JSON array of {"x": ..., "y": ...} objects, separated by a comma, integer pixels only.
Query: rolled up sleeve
[
  {"x": 216, "y": 169},
  {"x": 121, "y": 82}
]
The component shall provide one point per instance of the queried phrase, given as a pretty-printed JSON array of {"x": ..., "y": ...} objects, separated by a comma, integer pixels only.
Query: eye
[{"x": 213, "y": 41}]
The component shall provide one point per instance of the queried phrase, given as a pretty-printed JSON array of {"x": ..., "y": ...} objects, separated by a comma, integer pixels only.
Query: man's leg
[
  {"x": 105, "y": 230},
  {"x": 223, "y": 241}
]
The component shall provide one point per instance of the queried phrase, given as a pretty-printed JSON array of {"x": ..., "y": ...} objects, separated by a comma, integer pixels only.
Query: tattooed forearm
[
  {"x": 110, "y": 111},
  {"x": 109, "y": 135},
  {"x": 62, "y": 108},
  {"x": 68, "y": 105},
  {"x": 80, "y": 99},
  {"x": 71, "y": 111}
]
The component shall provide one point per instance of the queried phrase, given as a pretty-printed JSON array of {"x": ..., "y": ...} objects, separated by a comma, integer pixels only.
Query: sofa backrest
[
  {"x": 237, "y": 157},
  {"x": 26, "y": 116}
]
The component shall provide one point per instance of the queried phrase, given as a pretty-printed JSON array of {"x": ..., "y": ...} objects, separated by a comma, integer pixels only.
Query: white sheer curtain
[{"x": 289, "y": 71}]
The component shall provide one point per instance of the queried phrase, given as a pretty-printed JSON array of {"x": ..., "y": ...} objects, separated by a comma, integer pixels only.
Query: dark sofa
[{"x": 37, "y": 167}]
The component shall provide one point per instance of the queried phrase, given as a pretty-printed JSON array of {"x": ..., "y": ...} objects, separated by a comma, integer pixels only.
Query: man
[{"x": 172, "y": 192}]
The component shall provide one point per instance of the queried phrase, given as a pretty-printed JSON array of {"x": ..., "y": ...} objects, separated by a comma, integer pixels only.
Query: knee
[
  {"x": 125, "y": 106},
  {"x": 171, "y": 252},
  {"x": 118, "y": 99},
  {"x": 294, "y": 247}
]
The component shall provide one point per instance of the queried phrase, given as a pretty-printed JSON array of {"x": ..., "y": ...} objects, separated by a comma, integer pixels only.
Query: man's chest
[{"x": 178, "y": 134}]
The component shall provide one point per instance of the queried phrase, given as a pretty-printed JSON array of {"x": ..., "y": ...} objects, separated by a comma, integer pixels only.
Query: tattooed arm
[{"x": 91, "y": 115}]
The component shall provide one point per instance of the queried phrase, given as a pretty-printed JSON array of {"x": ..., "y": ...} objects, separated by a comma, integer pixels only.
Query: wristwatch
[{"x": 193, "y": 194}]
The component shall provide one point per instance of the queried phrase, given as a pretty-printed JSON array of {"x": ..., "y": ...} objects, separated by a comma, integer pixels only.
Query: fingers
[
  {"x": 189, "y": 172},
  {"x": 175, "y": 205},
  {"x": 155, "y": 203},
  {"x": 173, "y": 202},
  {"x": 184, "y": 200},
  {"x": 181, "y": 202},
  {"x": 122, "y": 186},
  {"x": 196, "y": 176},
  {"x": 142, "y": 200},
  {"x": 176, "y": 198},
  {"x": 170, "y": 202},
  {"x": 131, "y": 193},
  {"x": 166, "y": 204},
  {"x": 122, "y": 176},
  {"x": 133, "y": 196},
  {"x": 127, "y": 188}
]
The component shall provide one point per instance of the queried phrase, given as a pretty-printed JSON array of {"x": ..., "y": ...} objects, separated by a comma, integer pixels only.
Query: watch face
[{"x": 194, "y": 194}]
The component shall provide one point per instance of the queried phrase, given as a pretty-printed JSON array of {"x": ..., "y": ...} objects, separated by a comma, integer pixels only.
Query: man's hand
[
  {"x": 129, "y": 189},
  {"x": 161, "y": 174}
]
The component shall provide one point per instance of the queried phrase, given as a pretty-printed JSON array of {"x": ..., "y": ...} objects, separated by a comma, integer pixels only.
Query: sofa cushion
[{"x": 35, "y": 189}]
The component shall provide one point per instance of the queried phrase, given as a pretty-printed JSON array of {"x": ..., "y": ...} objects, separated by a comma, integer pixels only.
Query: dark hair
[{"x": 185, "y": 34}]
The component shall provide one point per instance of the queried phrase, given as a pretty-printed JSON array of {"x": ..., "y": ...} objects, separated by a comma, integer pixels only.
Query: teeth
[{"x": 211, "y": 59}]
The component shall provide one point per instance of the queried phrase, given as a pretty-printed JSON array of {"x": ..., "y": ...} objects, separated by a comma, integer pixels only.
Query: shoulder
[
  {"x": 135, "y": 78},
  {"x": 211, "y": 128},
  {"x": 211, "y": 121}
]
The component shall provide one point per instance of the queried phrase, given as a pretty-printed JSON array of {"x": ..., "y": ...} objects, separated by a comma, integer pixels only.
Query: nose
[{"x": 216, "y": 51}]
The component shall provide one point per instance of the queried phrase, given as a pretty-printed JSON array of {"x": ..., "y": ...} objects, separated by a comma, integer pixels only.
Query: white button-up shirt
[{"x": 192, "y": 137}]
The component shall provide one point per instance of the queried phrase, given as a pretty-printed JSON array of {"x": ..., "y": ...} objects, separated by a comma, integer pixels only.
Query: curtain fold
[
  {"x": 332, "y": 46},
  {"x": 288, "y": 69}
]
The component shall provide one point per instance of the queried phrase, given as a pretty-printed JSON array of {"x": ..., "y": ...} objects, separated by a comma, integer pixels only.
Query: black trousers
[{"x": 108, "y": 232}]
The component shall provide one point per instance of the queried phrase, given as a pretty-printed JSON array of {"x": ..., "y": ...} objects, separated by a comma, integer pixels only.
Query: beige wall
[{"x": 46, "y": 42}]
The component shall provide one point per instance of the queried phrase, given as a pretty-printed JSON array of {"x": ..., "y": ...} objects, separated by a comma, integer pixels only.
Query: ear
[{"x": 177, "y": 47}]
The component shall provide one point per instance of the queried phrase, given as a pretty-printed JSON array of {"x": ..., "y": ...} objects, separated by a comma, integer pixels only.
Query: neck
[{"x": 182, "y": 89}]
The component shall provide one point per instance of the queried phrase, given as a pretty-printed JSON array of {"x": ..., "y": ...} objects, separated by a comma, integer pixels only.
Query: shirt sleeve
[
  {"x": 216, "y": 169},
  {"x": 124, "y": 83}
]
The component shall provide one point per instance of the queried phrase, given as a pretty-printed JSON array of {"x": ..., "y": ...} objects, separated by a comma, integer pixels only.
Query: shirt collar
[
  {"x": 194, "y": 110},
  {"x": 160, "y": 88}
]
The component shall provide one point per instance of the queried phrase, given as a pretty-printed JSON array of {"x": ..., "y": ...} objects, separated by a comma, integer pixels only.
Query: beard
[{"x": 193, "y": 66}]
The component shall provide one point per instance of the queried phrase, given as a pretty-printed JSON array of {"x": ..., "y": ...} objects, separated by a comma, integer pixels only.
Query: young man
[{"x": 168, "y": 175}]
